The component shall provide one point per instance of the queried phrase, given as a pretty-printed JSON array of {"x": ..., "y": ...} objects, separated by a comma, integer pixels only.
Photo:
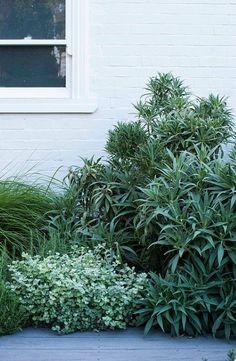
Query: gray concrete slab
[{"x": 129, "y": 345}]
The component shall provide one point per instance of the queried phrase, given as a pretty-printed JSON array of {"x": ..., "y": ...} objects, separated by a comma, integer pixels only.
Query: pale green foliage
[{"x": 78, "y": 291}]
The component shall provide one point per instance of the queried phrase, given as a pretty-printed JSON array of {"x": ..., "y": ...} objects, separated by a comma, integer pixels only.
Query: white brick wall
[{"x": 131, "y": 40}]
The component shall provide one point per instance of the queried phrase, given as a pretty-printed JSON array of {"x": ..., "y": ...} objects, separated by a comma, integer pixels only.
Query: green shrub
[
  {"x": 170, "y": 121},
  {"x": 164, "y": 95},
  {"x": 190, "y": 302},
  {"x": 168, "y": 115},
  {"x": 105, "y": 200},
  {"x": 125, "y": 140},
  {"x": 185, "y": 130},
  {"x": 79, "y": 291},
  {"x": 165, "y": 200},
  {"x": 12, "y": 316},
  {"x": 188, "y": 214}
]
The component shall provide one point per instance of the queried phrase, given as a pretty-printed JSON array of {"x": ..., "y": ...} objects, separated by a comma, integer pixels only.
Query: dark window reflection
[
  {"x": 32, "y": 66},
  {"x": 36, "y": 19}
]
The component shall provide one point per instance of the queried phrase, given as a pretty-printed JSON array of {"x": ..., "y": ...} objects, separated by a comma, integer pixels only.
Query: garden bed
[{"x": 145, "y": 237}]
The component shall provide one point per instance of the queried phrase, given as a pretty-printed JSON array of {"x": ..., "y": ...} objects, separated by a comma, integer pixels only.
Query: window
[{"x": 43, "y": 56}]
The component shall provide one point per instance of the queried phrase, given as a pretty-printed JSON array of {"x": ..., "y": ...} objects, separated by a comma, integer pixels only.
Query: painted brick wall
[{"x": 131, "y": 40}]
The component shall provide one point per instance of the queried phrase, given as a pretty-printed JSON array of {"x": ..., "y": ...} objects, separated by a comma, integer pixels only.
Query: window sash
[
  {"x": 32, "y": 42},
  {"x": 78, "y": 98},
  {"x": 22, "y": 93},
  {"x": 46, "y": 92},
  {"x": 42, "y": 92}
]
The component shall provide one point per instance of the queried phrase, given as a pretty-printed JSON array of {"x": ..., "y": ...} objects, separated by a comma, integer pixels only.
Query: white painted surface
[{"x": 131, "y": 40}]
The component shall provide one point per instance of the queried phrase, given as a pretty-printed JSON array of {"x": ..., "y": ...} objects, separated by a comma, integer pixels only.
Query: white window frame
[{"x": 75, "y": 97}]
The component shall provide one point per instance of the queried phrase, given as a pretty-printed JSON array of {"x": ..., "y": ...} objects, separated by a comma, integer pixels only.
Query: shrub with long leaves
[
  {"x": 165, "y": 200},
  {"x": 190, "y": 217}
]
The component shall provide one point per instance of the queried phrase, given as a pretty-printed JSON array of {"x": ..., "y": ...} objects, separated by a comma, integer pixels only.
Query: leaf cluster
[{"x": 80, "y": 290}]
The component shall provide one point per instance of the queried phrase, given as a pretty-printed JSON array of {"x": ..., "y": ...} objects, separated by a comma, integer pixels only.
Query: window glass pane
[
  {"x": 36, "y": 19},
  {"x": 32, "y": 66}
]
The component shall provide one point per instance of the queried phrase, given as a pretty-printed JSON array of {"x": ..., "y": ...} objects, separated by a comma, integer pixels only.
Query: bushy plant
[
  {"x": 106, "y": 204},
  {"x": 169, "y": 121},
  {"x": 178, "y": 123},
  {"x": 166, "y": 195},
  {"x": 134, "y": 136},
  {"x": 188, "y": 214},
  {"x": 189, "y": 302},
  {"x": 185, "y": 130},
  {"x": 81, "y": 290},
  {"x": 164, "y": 95}
]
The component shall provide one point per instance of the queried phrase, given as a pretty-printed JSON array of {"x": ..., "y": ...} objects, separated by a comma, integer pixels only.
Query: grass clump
[
  {"x": 13, "y": 316},
  {"x": 23, "y": 210}
]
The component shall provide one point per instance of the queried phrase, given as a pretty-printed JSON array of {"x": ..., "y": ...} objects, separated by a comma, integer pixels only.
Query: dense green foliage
[
  {"x": 135, "y": 135},
  {"x": 109, "y": 195},
  {"x": 81, "y": 290},
  {"x": 165, "y": 201}
]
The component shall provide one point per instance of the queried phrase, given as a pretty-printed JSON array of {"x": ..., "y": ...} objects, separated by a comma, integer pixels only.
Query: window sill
[{"x": 48, "y": 105}]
